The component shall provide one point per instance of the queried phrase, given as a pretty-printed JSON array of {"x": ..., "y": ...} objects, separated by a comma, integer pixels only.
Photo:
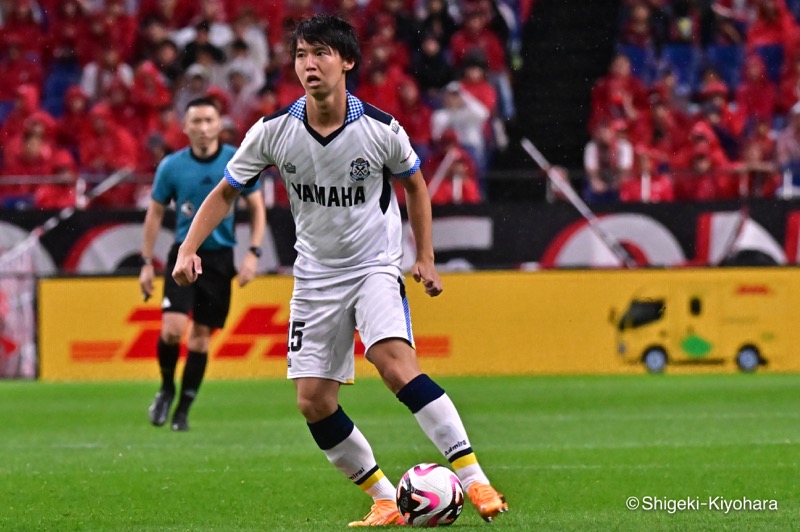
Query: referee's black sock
[
  {"x": 167, "y": 360},
  {"x": 192, "y": 377}
]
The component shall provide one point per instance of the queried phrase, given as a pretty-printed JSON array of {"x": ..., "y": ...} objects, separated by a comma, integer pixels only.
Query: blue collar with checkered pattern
[{"x": 354, "y": 109}]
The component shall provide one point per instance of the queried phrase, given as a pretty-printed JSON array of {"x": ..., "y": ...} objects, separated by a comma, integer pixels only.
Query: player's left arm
[
  {"x": 418, "y": 204},
  {"x": 258, "y": 224}
]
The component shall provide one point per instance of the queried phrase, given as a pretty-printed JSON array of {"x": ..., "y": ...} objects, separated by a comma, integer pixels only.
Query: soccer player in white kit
[{"x": 336, "y": 155}]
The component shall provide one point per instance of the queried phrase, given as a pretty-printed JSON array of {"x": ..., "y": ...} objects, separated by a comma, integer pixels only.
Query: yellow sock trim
[
  {"x": 464, "y": 461},
  {"x": 372, "y": 480}
]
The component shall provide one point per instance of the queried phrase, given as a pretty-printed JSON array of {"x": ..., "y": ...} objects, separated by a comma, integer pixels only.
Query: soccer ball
[{"x": 430, "y": 495}]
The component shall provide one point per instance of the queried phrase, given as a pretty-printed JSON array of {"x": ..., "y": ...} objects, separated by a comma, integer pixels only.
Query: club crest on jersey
[
  {"x": 395, "y": 126},
  {"x": 359, "y": 169}
]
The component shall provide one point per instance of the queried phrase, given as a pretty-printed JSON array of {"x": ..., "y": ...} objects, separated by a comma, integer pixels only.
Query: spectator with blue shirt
[{"x": 187, "y": 177}]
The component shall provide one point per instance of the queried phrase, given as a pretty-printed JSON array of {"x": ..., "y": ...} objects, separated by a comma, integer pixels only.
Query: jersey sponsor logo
[
  {"x": 187, "y": 209},
  {"x": 330, "y": 196},
  {"x": 359, "y": 169},
  {"x": 289, "y": 168}
]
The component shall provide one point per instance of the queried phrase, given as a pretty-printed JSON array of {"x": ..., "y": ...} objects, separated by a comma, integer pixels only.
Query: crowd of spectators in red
[
  {"x": 90, "y": 87},
  {"x": 701, "y": 103}
]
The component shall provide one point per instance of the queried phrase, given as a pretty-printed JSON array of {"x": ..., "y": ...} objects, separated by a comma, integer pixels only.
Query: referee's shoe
[
  {"x": 159, "y": 409},
  {"x": 180, "y": 421}
]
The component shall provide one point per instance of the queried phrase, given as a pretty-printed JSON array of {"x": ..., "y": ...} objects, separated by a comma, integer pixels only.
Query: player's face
[
  {"x": 202, "y": 124},
  {"x": 319, "y": 67}
]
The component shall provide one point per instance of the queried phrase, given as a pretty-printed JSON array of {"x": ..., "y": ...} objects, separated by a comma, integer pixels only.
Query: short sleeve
[
  {"x": 401, "y": 160},
  {"x": 250, "y": 188},
  {"x": 250, "y": 159},
  {"x": 163, "y": 190}
]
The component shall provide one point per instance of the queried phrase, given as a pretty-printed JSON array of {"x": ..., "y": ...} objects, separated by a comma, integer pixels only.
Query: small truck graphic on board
[{"x": 706, "y": 323}]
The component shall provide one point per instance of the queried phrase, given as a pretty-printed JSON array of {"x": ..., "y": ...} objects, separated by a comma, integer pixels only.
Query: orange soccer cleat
[
  {"x": 383, "y": 512},
  {"x": 488, "y": 502}
]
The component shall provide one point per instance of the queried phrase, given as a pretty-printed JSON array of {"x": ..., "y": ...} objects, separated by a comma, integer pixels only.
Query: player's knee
[
  {"x": 397, "y": 371},
  {"x": 173, "y": 327},
  {"x": 315, "y": 408},
  {"x": 396, "y": 376},
  {"x": 199, "y": 339},
  {"x": 171, "y": 336},
  {"x": 396, "y": 361},
  {"x": 199, "y": 345}
]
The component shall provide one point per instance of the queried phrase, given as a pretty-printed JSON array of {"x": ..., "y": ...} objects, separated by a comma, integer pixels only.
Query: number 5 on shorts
[{"x": 296, "y": 335}]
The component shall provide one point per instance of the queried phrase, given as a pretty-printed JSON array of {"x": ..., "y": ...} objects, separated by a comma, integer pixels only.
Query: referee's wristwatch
[{"x": 255, "y": 250}]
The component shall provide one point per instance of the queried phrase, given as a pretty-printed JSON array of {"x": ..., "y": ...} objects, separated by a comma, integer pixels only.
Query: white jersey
[{"x": 345, "y": 210}]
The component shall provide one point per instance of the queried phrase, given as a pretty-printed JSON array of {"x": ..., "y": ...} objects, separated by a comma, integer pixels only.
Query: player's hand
[
  {"x": 187, "y": 268},
  {"x": 426, "y": 272},
  {"x": 146, "y": 281},
  {"x": 247, "y": 270}
]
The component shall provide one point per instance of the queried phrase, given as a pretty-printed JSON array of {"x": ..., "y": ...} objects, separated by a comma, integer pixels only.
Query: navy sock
[
  {"x": 332, "y": 430},
  {"x": 420, "y": 391},
  {"x": 192, "y": 378},
  {"x": 167, "y": 360}
]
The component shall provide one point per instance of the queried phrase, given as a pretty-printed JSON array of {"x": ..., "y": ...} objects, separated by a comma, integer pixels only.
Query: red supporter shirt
[{"x": 462, "y": 42}]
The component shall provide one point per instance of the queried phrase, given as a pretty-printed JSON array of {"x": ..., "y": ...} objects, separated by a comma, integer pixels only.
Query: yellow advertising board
[{"x": 552, "y": 322}]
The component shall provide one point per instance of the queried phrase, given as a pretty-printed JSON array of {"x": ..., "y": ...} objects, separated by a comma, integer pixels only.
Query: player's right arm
[
  {"x": 214, "y": 209},
  {"x": 242, "y": 171},
  {"x": 152, "y": 223},
  {"x": 418, "y": 204}
]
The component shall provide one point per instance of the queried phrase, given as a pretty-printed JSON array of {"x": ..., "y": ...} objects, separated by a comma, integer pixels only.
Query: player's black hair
[
  {"x": 200, "y": 102},
  {"x": 331, "y": 31}
]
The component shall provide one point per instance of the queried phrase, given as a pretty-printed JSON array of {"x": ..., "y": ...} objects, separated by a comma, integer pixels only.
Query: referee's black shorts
[{"x": 208, "y": 299}]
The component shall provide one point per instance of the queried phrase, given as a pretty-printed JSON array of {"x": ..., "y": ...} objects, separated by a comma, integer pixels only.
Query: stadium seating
[
  {"x": 642, "y": 58},
  {"x": 728, "y": 61},
  {"x": 794, "y": 8},
  {"x": 773, "y": 56},
  {"x": 684, "y": 60},
  {"x": 5, "y": 108},
  {"x": 60, "y": 77}
]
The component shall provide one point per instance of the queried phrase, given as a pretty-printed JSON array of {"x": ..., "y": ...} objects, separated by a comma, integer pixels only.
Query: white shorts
[{"x": 323, "y": 322}]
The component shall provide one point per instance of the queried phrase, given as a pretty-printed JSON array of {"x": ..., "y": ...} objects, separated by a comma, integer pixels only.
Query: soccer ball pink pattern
[{"x": 430, "y": 495}]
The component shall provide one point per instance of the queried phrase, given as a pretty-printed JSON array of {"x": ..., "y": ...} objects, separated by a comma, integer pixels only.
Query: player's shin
[
  {"x": 167, "y": 360},
  {"x": 193, "y": 374},
  {"x": 439, "y": 419},
  {"x": 349, "y": 451}
]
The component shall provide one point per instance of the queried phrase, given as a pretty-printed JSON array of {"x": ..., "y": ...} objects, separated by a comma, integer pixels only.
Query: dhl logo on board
[
  {"x": 98, "y": 329},
  {"x": 257, "y": 331}
]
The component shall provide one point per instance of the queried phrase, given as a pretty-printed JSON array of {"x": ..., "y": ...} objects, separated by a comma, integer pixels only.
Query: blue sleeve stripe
[
  {"x": 235, "y": 184},
  {"x": 411, "y": 171}
]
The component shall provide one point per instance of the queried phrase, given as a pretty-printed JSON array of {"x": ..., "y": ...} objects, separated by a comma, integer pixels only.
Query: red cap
[{"x": 714, "y": 88}]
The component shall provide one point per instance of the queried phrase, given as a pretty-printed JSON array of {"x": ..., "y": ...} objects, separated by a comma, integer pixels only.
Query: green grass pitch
[{"x": 567, "y": 452}]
